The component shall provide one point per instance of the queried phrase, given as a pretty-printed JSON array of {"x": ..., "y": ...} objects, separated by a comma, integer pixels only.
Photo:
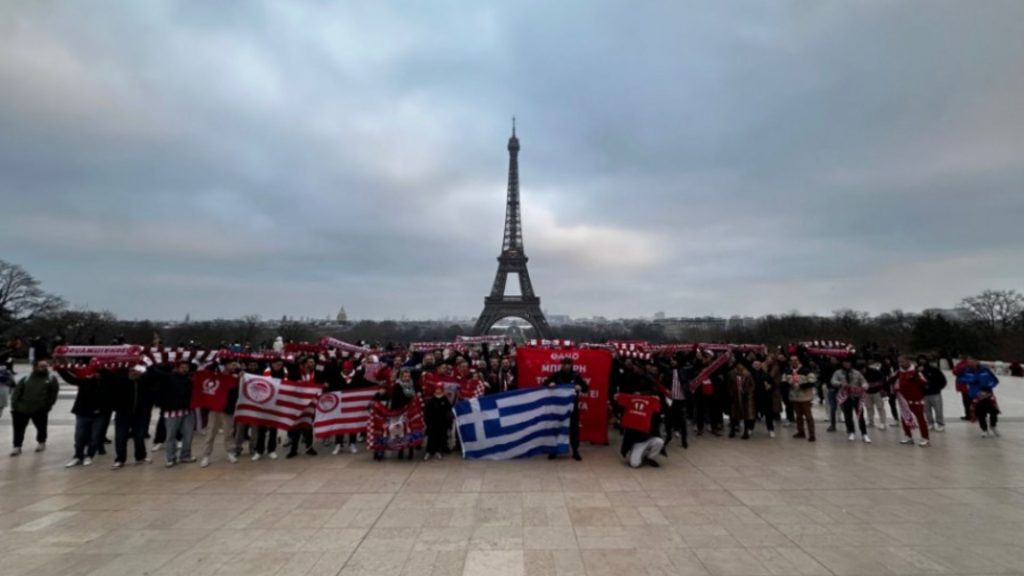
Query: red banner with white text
[{"x": 595, "y": 366}]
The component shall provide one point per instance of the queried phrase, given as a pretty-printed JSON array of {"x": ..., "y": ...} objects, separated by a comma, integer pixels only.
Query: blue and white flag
[{"x": 515, "y": 424}]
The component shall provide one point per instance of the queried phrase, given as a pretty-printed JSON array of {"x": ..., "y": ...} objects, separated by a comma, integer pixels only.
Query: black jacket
[
  {"x": 437, "y": 412},
  {"x": 131, "y": 396},
  {"x": 174, "y": 391},
  {"x": 936, "y": 379},
  {"x": 93, "y": 397}
]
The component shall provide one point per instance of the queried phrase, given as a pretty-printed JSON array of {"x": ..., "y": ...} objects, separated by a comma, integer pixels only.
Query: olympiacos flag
[
  {"x": 346, "y": 412},
  {"x": 210, "y": 389},
  {"x": 281, "y": 404}
]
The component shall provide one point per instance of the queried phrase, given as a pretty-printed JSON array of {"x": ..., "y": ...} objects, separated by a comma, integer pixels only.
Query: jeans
[
  {"x": 130, "y": 424},
  {"x": 186, "y": 425},
  {"x": 20, "y": 422},
  {"x": 88, "y": 435},
  {"x": 643, "y": 450},
  {"x": 933, "y": 409}
]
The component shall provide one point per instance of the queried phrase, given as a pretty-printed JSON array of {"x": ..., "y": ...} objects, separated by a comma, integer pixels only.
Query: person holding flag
[
  {"x": 566, "y": 375},
  {"x": 133, "y": 397},
  {"x": 221, "y": 390}
]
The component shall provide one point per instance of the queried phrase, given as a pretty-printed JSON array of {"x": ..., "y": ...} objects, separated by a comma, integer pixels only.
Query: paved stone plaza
[{"x": 724, "y": 507}]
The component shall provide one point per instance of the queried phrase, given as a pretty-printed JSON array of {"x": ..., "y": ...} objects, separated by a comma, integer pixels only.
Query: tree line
[{"x": 991, "y": 326}]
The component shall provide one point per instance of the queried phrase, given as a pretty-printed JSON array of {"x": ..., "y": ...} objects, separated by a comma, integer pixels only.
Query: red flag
[
  {"x": 210, "y": 389},
  {"x": 266, "y": 401},
  {"x": 395, "y": 429},
  {"x": 346, "y": 412},
  {"x": 595, "y": 366}
]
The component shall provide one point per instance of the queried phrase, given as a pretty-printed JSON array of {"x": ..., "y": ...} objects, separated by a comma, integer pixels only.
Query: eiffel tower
[{"x": 512, "y": 260}]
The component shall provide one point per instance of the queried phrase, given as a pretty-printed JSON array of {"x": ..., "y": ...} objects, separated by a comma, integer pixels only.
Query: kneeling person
[{"x": 641, "y": 421}]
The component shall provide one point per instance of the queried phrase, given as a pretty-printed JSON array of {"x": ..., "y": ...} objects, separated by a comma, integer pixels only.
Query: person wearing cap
[
  {"x": 933, "y": 395},
  {"x": 133, "y": 407},
  {"x": 566, "y": 375}
]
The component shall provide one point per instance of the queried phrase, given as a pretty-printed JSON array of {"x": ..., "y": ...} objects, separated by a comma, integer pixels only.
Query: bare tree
[
  {"x": 997, "y": 310},
  {"x": 21, "y": 298}
]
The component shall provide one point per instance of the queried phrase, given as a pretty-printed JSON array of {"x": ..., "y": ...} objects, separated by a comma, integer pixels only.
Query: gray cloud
[{"x": 162, "y": 158}]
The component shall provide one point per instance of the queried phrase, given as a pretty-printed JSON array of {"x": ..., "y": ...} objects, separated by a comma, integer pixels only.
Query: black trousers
[
  {"x": 304, "y": 434},
  {"x": 131, "y": 425},
  {"x": 677, "y": 420},
  {"x": 849, "y": 410},
  {"x": 983, "y": 409},
  {"x": 574, "y": 429},
  {"x": 20, "y": 422},
  {"x": 266, "y": 440},
  {"x": 708, "y": 410},
  {"x": 786, "y": 403},
  {"x": 966, "y": 399}
]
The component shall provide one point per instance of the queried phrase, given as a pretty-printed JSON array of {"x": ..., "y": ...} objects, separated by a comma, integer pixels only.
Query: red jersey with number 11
[{"x": 639, "y": 410}]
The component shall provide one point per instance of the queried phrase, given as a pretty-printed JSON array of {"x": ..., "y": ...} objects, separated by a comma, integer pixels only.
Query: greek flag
[{"x": 515, "y": 424}]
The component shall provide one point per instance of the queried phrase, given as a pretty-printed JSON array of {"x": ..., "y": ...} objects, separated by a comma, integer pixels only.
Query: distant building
[
  {"x": 659, "y": 315},
  {"x": 951, "y": 314},
  {"x": 342, "y": 315}
]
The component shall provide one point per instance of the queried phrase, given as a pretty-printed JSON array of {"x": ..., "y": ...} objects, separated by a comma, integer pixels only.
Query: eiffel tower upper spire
[{"x": 513, "y": 240}]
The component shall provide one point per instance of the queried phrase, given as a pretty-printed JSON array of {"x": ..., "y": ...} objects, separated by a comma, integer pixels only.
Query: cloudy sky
[{"x": 160, "y": 158}]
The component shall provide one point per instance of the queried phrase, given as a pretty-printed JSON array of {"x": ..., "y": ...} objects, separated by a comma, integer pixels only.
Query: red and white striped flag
[
  {"x": 286, "y": 405},
  {"x": 346, "y": 412}
]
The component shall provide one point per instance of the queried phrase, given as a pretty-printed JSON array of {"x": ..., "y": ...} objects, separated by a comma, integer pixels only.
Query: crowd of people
[{"x": 655, "y": 400}]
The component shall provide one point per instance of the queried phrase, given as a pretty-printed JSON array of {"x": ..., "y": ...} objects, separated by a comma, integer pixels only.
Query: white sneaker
[
  {"x": 940, "y": 428},
  {"x": 353, "y": 449},
  {"x": 995, "y": 432},
  {"x": 984, "y": 433},
  {"x": 73, "y": 462},
  {"x": 272, "y": 455},
  {"x": 907, "y": 440},
  {"x": 204, "y": 462},
  {"x": 786, "y": 424},
  {"x": 931, "y": 426},
  {"x": 87, "y": 462},
  {"x": 426, "y": 457},
  {"x": 41, "y": 446},
  {"x": 117, "y": 465},
  {"x": 170, "y": 464},
  {"x": 232, "y": 458},
  {"x": 867, "y": 439},
  {"x": 771, "y": 434},
  {"x": 146, "y": 460},
  {"x": 438, "y": 456},
  {"x": 337, "y": 450},
  {"x": 852, "y": 437},
  {"x": 256, "y": 456},
  {"x": 16, "y": 452},
  {"x": 157, "y": 446},
  {"x": 893, "y": 424},
  {"x": 923, "y": 443}
]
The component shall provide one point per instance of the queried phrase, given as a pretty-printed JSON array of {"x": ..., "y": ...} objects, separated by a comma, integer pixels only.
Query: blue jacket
[{"x": 979, "y": 379}]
